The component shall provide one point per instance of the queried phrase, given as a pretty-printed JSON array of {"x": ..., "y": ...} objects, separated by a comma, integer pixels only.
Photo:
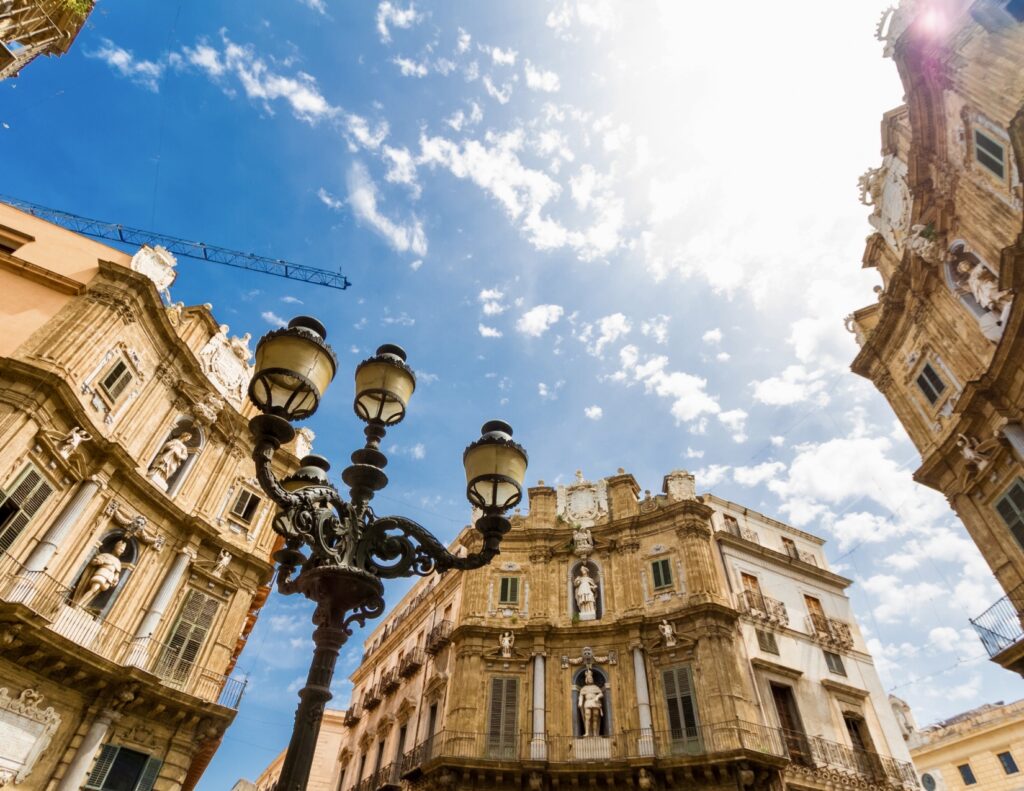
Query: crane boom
[{"x": 198, "y": 250}]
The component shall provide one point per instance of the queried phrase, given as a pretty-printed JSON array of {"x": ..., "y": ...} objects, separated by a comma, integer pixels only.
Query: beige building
[
  {"x": 625, "y": 641},
  {"x": 30, "y": 28},
  {"x": 134, "y": 543},
  {"x": 983, "y": 747},
  {"x": 944, "y": 343}
]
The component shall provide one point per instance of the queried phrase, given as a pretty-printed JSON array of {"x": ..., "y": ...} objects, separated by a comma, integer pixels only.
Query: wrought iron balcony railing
[
  {"x": 412, "y": 662},
  {"x": 372, "y": 697},
  {"x": 439, "y": 637},
  {"x": 353, "y": 714},
  {"x": 390, "y": 681},
  {"x": 763, "y": 608},
  {"x": 1002, "y": 624},
  {"x": 51, "y": 600},
  {"x": 830, "y": 632},
  {"x": 830, "y": 760}
]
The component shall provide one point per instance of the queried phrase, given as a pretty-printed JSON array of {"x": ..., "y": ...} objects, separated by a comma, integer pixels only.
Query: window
[
  {"x": 752, "y": 592},
  {"x": 989, "y": 154},
  {"x": 432, "y": 721},
  {"x": 858, "y": 731},
  {"x": 400, "y": 747},
  {"x": 930, "y": 383},
  {"x": 380, "y": 756},
  {"x": 20, "y": 502},
  {"x": 509, "y": 591},
  {"x": 116, "y": 379},
  {"x": 661, "y": 571},
  {"x": 245, "y": 506},
  {"x": 187, "y": 637},
  {"x": 967, "y": 775},
  {"x": 835, "y": 663},
  {"x": 681, "y": 707},
  {"x": 121, "y": 769},
  {"x": 792, "y": 727},
  {"x": 501, "y": 720},
  {"x": 789, "y": 547},
  {"x": 1009, "y": 765},
  {"x": 928, "y": 781},
  {"x": 766, "y": 640},
  {"x": 817, "y": 614},
  {"x": 1010, "y": 507}
]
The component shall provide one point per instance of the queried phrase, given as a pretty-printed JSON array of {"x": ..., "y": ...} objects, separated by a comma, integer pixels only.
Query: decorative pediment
[
  {"x": 50, "y": 444},
  {"x": 583, "y": 502},
  {"x": 436, "y": 686},
  {"x": 225, "y": 362},
  {"x": 406, "y": 707}
]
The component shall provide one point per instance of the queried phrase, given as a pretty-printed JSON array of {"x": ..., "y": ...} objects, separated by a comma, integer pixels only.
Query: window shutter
[
  {"x": 187, "y": 638},
  {"x": 149, "y": 774},
  {"x": 28, "y": 496},
  {"x": 501, "y": 722},
  {"x": 682, "y": 714},
  {"x": 656, "y": 573},
  {"x": 102, "y": 766},
  {"x": 513, "y": 589}
]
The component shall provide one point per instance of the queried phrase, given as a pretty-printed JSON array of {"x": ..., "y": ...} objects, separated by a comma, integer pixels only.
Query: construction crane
[{"x": 198, "y": 250}]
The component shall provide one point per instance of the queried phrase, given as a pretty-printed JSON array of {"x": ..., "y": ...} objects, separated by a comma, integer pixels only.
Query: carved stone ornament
[
  {"x": 304, "y": 441},
  {"x": 206, "y": 409},
  {"x": 136, "y": 527},
  {"x": 157, "y": 264},
  {"x": 69, "y": 444},
  {"x": 588, "y": 658},
  {"x": 886, "y": 191},
  {"x": 978, "y": 456},
  {"x": 892, "y": 24},
  {"x": 226, "y": 364},
  {"x": 582, "y": 541},
  {"x": 924, "y": 243},
  {"x": 25, "y": 732},
  {"x": 582, "y": 502},
  {"x": 680, "y": 485}
]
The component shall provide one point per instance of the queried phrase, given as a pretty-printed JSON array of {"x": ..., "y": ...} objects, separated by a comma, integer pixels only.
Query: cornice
[
  {"x": 41, "y": 275},
  {"x": 844, "y": 689},
  {"x": 820, "y": 574},
  {"x": 773, "y": 667}
]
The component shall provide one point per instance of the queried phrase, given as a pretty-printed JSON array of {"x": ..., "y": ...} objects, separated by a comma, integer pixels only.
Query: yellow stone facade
[
  {"x": 134, "y": 543},
  {"x": 985, "y": 745},
  {"x": 945, "y": 341},
  {"x": 710, "y": 644}
]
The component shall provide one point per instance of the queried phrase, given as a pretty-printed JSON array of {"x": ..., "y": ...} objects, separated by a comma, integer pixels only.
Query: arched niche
[
  {"x": 193, "y": 436},
  {"x": 100, "y": 604},
  {"x": 960, "y": 255},
  {"x": 594, "y": 572},
  {"x": 579, "y": 680}
]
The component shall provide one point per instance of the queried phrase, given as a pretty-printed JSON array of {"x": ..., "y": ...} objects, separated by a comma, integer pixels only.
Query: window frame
[
  {"x": 254, "y": 500},
  {"x": 967, "y": 774},
  {"x": 834, "y": 663},
  {"x": 1015, "y": 528},
  {"x": 942, "y": 387},
  {"x": 112, "y": 398},
  {"x": 980, "y": 150},
  {"x": 105, "y": 761},
  {"x": 1006, "y": 760},
  {"x": 508, "y": 590},
  {"x": 767, "y": 642},
  {"x": 662, "y": 567},
  {"x": 31, "y": 503}
]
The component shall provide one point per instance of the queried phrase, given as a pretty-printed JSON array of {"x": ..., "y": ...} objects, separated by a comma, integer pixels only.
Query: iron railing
[
  {"x": 353, "y": 714},
  {"x": 52, "y": 601},
  {"x": 763, "y": 608},
  {"x": 1002, "y": 624},
  {"x": 372, "y": 697},
  {"x": 389, "y": 681},
  {"x": 439, "y": 637},
  {"x": 831, "y": 758},
  {"x": 830, "y": 631},
  {"x": 412, "y": 662}
]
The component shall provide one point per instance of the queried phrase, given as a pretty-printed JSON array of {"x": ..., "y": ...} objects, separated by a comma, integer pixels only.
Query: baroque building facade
[
  {"x": 134, "y": 544},
  {"x": 944, "y": 343},
  {"x": 30, "y": 28},
  {"x": 620, "y": 640}
]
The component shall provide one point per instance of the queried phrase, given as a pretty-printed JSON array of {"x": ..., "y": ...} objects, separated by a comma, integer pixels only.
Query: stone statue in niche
[
  {"x": 982, "y": 284},
  {"x": 668, "y": 633},
  {"x": 223, "y": 561},
  {"x": 582, "y": 540},
  {"x": 70, "y": 443},
  {"x": 171, "y": 456},
  {"x": 586, "y": 594},
  {"x": 506, "y": 641},
  {"x": 103, "y": 573},
  {"x": 591, "y": 705}
]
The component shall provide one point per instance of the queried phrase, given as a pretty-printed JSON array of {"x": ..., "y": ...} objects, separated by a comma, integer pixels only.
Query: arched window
[
  {"x": 102, "y": 577},
  {"x": 580, "y": 681},
  {"x": 176, "y": 455},
  {"x": 586, "y": 591}
]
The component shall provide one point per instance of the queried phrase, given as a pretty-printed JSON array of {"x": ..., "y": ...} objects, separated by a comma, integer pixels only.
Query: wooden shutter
[
  {"x": 1011, "y": 509},
  {"x": 682, "y": 711},
  {"x": 187, "y": 637},
  {"x": 28, "y": 496},
  {"x": 501, "y": 722},
  {"x": 661, "y": 571},
  {"x": 102, "y": 766},
  {"x": 149, "y": 774},
  {"x": 509, "y": 592}
]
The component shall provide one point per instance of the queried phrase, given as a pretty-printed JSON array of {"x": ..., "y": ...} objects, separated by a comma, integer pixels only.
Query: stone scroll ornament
[{"x": 25, "y": 732}]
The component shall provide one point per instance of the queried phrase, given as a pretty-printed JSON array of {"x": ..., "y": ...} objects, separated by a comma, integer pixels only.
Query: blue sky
[{"x": 632, "y": 230}]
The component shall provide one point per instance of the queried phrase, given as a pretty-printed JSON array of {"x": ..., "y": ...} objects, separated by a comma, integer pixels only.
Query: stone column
[
  {"x": 1014, "y": 434},
  {"x": 78, "y": 770},
  {"x": 538, "y": 745},
  {"x": 645, "y": 743},
  {"x": 61, "y": 526},
  {"x": 140, "y": 643}
]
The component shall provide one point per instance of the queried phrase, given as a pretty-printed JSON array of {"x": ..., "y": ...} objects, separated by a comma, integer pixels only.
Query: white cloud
[
  {"x": 778, "y": 441},
  {"x": 597, "y": 16},
  {"x": 536, "y": 321},
  {"x": 464, "y": 40},
  {"x": 206, "y": 58},
  {"x": 418, "y": 451},
  {"x": 609, "y": 330},
  {"x": 502, "y": 57},
  {"x": 328, "y": 200},
  {"x": 490, "y": 300},
  {"x": 794, "y": 385},
  {"x": 900, "y": 601},
  {"x": 415, "y": 265},
  {"x": 692, "y": 453},
  {"x": 945, "y": 638},
  {"x": 549, "y": 393},
  {"x": 273, "y": 319},
  {"x": 712, "y": 475},
  {"x": 754, "y": 476},
  {"x": 410, "y": 68},
  {"x": 712, "y": 336},
  {"x": 146, "y": 73},
  {"x": 291, "y": 300},
  {"x": 593, "y": 412},
  {"x": 320, "y": 6},
  {"x": 389, "y": 14},
  {"x": 735, "y": 420},
  {"x": 656, "y": 328},
  {"x": 488, "y": 332},
  {"x": 401, "y": 168},
  {"x": 723, "y": 357},
  {"x": 362, "y": 197},
  {"x": 359, "y": 129},
  {"x": 502, "y": 94},
  {"x": 539, "y": 80},
  {"x": 686, "y": 391}
]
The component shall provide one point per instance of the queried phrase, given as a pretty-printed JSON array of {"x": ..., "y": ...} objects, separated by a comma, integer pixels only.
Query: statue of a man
[
  {"x": 983, "y": 285},
  {"x": 102, "y": 574},
  {"x": 172, "y": 455},
  {"x": 507, "y": 640},
  {"x": 591, "y": 705},
  {"x": 668, "y": 633},
  {"x": 586, "y": 594},
  {"x": 70, "y": 443}
]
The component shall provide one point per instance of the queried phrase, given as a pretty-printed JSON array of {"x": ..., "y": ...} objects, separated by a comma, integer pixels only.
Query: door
[
  {"x": 752, "y": 592},
  {"x": 501, "y": 724},
  {"x": 865, "y": 759},
  {"x": 817, "y": 615},
  {"x": 792, "y": 727}
]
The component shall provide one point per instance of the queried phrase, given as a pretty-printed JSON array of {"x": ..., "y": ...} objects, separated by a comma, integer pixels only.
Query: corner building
[
  {"x": 944, "y": 343},
  {"x": 134, "y": 543},
  {"x": 707, "y": 646}
]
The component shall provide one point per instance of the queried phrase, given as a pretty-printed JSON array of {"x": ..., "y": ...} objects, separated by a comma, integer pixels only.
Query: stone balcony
[
  {"x": 353, "y": 714},
  {"x": 35, "y": 596},
  {"x": 412, "y": 662},
  {"x": 439, "y": 637},
  {"x": 389, "y": 681},
  {"x": 372, "y": 698},
  {"x": 763, "y": 609},
  {"x": 1001, "y": 629},
  {"x": 830, "y": 632},
  {"x": 837, "y": 765}
]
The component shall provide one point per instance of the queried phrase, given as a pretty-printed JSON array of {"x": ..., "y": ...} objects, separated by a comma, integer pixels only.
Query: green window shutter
[
  {"x": 656, "y": 573},
  {"x": 187, "y": 637},
  {"x": 149, "y": 774},
  {"x": 682, "y": 711},
  {"x": 27, "y": 497},
  {"x": 1011, "y": 509},
  {"x": 509, "y": 590},
  {"x": 102, "y": 766},
  {"x": 501, "y": 720},
  {"x": 661, "y": 571}
]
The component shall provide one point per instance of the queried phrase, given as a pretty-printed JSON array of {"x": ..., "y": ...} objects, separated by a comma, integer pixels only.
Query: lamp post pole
[{"x": 337, "y": 551}]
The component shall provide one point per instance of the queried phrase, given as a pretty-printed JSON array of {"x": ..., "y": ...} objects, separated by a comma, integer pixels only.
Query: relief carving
[{"x": 226, "y": 362}]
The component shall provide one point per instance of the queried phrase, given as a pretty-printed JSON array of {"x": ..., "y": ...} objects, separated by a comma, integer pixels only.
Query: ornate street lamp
[{"x": 336, "y": 552}]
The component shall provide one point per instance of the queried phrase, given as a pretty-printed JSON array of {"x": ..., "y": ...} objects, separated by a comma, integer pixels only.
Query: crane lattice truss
[{"x": 200, "y": 251}]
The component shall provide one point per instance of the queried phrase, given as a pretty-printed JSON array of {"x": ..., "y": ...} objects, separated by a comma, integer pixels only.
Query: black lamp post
[{"x": 336, "y": 552}]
